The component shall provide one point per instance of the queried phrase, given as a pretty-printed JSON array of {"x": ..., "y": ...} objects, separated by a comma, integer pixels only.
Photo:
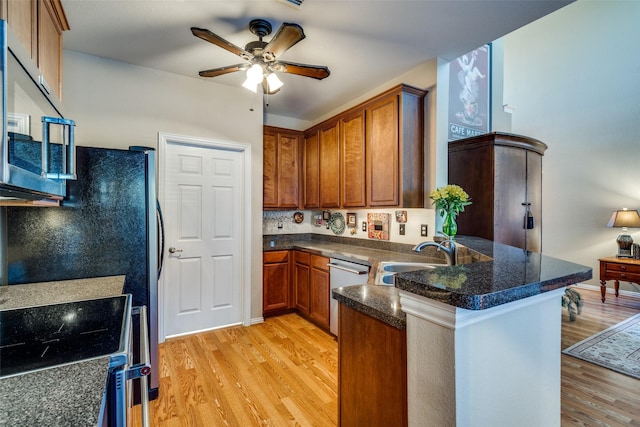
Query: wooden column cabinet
[
  {"x": 301, "y": 279},
  {"x": 353, "y": 161},
  {"x": 39, "y": 25},
  {"x": 319, "y": 288},
  {"x": 276, "y": 283},
  {"x": 281, "y": 168},
  {"x": 372, "y": 371},
  {"x": 501, "y": 173}
]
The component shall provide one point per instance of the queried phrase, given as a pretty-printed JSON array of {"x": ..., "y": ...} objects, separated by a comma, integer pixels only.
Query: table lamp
[{"x": 624, "y": 218}]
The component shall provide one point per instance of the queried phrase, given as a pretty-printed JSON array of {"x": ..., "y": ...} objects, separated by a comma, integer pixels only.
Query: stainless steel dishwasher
[{"x": 344, "y": 273}]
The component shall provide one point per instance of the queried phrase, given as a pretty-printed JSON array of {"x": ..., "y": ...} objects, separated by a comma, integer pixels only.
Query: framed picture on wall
[
  {"x": 470, "y": 94},
  {"x": 351, "y": 219}
]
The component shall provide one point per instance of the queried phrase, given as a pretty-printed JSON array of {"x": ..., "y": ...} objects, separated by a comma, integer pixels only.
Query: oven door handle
[{"x": 143, "y": 369}]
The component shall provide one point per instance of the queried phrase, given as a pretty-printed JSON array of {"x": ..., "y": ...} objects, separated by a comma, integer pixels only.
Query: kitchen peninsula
[{"x": 483, "y": 339}]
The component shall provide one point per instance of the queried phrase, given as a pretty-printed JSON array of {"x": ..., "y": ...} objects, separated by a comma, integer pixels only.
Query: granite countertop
[
  {"x": 379, "y": 302},
  {"x": 65, "y": 395},
  {"x": 511, "y": 275},
  {"x": 355, "y": 253},
  {"x": 33, "y": 294},
  {"x": 489, "y": 274}
]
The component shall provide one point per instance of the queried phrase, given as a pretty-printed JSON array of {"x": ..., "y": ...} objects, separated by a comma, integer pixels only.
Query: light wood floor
[{"x": 283, "y": 372}]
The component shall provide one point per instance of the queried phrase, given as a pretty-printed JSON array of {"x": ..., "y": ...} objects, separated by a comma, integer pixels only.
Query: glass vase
[{"x": 449, "y": 226}]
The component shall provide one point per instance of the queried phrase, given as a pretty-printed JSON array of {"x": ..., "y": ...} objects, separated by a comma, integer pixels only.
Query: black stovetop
[{"x": 44, "y": 336}]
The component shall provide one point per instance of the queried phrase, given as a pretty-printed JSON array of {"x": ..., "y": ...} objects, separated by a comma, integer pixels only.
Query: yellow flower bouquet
[{"x": 450, "y": 200}]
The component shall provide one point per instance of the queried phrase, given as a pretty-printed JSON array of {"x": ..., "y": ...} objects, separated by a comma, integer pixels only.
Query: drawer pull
[
  {"x": 623, "y": 267},
  {"x": 623, "y": 275}
]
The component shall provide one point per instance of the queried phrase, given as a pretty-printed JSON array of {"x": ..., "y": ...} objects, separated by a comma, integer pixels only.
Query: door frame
[{"x": 245, "y": 288}]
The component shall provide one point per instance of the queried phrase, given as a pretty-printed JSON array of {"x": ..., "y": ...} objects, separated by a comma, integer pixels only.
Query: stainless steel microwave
[{"x": 37, "y": 153}]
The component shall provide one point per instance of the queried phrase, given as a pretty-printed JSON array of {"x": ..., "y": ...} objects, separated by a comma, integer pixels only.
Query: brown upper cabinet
[
  {"x": 39, "y": 25},
  {"x": 353, "y": 162},
  {"x": 311, "y": 170},
  {"x": 329, "y": 154},
  {"x": 281, "y": 168},
  {"x": 371, "y": 155}
]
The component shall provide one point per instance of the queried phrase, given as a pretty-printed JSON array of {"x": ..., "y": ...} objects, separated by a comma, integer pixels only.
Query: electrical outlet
[
  {"x": 424, "y": 230},
  {"x": 364, "y": 226},
  {"x": 402, "y": 229}
]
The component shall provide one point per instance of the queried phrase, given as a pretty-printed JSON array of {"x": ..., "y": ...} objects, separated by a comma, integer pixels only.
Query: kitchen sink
[
  {"x": 403, "y": 267},
  {"x": 388, "y": 269}
]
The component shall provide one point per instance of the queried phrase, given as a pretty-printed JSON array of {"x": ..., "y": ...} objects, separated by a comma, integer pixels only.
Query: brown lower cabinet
[
  {"x": 276, "y": 283},
  {"x": 301, "y": 277},
  {"x": 296, "y": 281},
  {"x": 319, "y": 298},
  {"x": 372, "y": 371}
]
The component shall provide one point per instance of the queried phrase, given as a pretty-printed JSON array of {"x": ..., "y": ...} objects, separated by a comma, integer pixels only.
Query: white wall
[
  {"x": 116, "y": 105},
  {"x": 573, "y": 78}
]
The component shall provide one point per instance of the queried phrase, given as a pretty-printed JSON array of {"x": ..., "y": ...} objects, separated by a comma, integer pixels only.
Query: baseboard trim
[
  {"x": 610, "y": 290},
  {"x": 256, "y": 320}
]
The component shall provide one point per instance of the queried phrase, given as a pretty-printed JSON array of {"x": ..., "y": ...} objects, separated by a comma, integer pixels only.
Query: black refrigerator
[{"x": 108, "y": 224}]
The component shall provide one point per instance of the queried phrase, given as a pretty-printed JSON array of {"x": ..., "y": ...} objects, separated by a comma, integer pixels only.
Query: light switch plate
[{"x": 402, "y": 229}]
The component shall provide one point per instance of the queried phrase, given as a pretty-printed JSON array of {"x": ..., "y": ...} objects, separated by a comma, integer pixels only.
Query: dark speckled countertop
[
  {"x": 511, "y": 275},
  {"x": 66, "y": 395},
  {"x": 489, "y": 273}
]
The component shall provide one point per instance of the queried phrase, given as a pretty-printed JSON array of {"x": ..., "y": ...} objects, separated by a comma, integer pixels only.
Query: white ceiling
[{"x": 365, "y": 43}]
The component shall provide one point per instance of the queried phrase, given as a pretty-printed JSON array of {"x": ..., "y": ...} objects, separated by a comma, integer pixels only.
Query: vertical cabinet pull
[
  {"x": 68, "y": 160},
  {"x": 528, "y": 217}
]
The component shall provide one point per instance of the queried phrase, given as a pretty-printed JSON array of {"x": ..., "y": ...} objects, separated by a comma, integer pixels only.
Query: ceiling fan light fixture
[
  {"x": 248, "y": 84},
  {"x": 255, "y": 74},
  {"x": 274, "y": 82}
]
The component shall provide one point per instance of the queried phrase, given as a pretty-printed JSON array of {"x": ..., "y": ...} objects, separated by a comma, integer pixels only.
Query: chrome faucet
[{"x": 449, "y": 248}]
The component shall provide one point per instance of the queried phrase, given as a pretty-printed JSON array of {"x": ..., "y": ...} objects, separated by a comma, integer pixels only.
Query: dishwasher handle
[{"x": 349, "y": 270}]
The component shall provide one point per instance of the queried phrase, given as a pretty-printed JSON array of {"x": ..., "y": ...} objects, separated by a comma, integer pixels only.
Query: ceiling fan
[{"x": 263, "y": 57}]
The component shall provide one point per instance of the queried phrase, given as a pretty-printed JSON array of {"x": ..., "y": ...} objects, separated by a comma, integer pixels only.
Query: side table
[{"x": 614, "y": 268}]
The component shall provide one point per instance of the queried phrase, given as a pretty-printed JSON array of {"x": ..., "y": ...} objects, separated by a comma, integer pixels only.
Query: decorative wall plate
[
  {"x": 337, "y": 223},
  {"x": 298, "y": 217},
  {"x": 378, "y": 225}
]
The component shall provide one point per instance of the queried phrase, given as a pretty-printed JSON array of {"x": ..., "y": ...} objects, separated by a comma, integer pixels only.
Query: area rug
[{"x": 616, "y": 348}]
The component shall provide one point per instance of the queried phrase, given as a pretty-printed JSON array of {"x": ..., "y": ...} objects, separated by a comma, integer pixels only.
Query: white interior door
[{"x": 203, "y": 196}]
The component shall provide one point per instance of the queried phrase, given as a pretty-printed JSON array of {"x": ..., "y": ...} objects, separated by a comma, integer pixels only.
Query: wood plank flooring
[
  {"x": 592, "y": 395},
  {"x": 283, "y": 372}
]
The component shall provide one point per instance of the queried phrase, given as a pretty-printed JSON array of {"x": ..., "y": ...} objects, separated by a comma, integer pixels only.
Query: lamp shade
[{"x": 624, "y": 218}]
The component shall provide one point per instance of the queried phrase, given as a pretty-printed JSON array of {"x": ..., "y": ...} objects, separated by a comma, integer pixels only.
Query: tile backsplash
[{"x": 282, "y": 222}]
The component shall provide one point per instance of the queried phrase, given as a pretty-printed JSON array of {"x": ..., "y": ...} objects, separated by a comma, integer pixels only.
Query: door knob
[{"x": 173, "y": 250}]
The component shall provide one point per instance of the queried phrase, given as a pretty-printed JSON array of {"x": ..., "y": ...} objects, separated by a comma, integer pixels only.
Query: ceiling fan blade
[
  {"x": 287, "y": 36},
  {"x": 215, "y": 72},
  {"x": 314, "y": 71},
  {"x": 207, "y": 35}
]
